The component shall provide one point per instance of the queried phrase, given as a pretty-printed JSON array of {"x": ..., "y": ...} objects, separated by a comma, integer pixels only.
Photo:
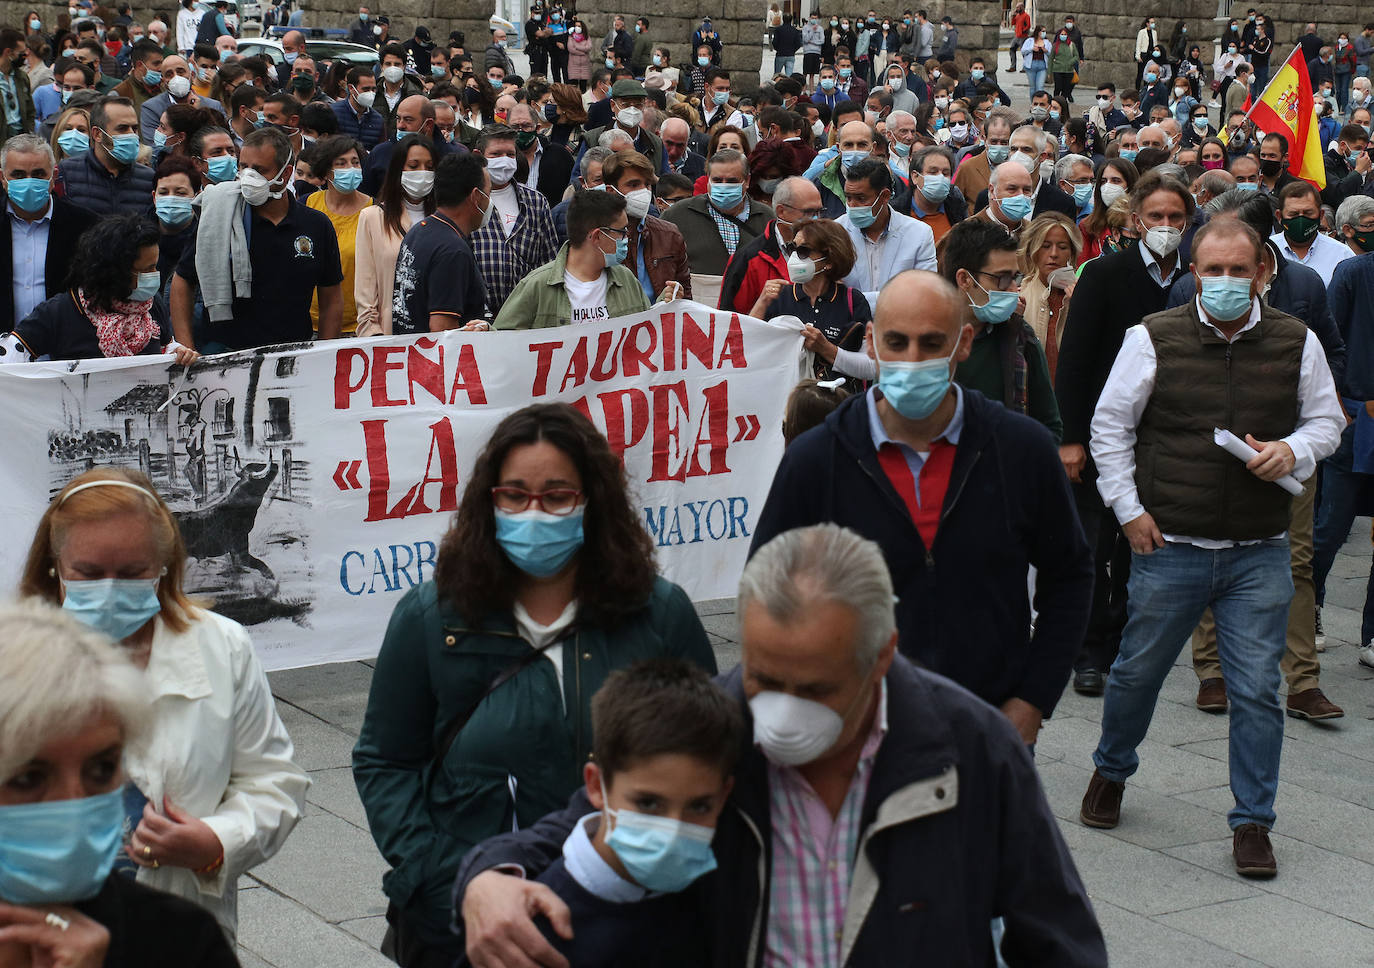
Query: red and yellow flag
[{"x": 1286, "y": 106}]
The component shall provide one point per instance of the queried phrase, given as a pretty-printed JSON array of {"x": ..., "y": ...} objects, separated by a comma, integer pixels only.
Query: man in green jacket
[
  {"x": 585, "y": 283},
  {"x": 1005, "y": 362},
  {"x": 14, "y": 84}
]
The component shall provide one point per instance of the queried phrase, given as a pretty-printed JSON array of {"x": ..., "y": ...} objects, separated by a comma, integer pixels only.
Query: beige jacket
[
  {"x": 1037, "y": 296},
  {"x": 376, "y": 271}
]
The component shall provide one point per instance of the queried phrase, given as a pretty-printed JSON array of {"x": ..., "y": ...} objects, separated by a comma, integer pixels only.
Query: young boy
[{"x": 666, "y": 743}]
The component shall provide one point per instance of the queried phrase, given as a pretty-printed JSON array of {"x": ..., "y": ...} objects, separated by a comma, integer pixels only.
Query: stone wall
[{"x": 1109, "y": 35}]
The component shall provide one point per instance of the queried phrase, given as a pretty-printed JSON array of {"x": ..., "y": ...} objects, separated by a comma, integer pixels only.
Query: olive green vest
[{"x": 1188, "y": 484}]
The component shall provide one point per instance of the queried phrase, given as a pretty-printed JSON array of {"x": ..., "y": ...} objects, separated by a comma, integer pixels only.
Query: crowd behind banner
[{"x": 1031, "y": 328}]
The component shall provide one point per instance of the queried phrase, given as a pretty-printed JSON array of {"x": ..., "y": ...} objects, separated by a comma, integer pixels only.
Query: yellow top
[{"x": 346, "y": 228}]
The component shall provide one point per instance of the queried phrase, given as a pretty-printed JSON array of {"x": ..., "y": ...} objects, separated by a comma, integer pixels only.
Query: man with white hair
[
  {"x": 1010, "y": 197},
  {"x": 1355, "y": 223},
  {"x": 1074, "y": 175},
  {"x": 861, "y": 761},
  {"x": 676, "y": 135},
  {"x": 1152, "y": 136},
  {"x": 796, "y": 201},
  {"x": 901, "y": 139}
]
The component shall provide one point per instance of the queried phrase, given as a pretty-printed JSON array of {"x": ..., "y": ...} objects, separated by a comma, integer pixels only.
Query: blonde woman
[
  {"x": 213, "y": 790},
  {"x": 1049, "y": 244},
  {"x": 71, "y": 134}
]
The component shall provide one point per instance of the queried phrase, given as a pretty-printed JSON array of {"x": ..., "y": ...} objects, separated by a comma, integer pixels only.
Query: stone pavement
[{"x": 1162, "y": 882}]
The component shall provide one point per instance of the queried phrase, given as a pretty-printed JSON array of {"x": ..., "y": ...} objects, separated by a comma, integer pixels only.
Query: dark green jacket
[
  {"x": 982, "y": 371},
  {"x": 432, "y": 667}
]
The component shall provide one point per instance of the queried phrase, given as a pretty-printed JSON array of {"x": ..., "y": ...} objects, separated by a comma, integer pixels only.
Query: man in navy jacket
[
  {"x": 951, "y": 827},
  {"x": 962, "y": 606}
]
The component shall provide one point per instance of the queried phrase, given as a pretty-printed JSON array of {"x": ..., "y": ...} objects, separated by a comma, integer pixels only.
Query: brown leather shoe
[
  {"x": 1102, "y": 803},
  {"x": 1312, "y": 704},
  {"x": 1254, "y": 856},
  {"x": 1211, "y": 696}
]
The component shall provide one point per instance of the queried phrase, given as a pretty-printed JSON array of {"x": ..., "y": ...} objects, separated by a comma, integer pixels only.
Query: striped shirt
[{"x": 813, "y": 857}]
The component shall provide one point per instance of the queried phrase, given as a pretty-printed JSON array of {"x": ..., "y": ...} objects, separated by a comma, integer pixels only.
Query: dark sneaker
[
  {"x": 1312, "y": 704},
  {"x": 1321, "y": 633},
  {"x": 1102, "y": 803},
  {"x": 1252, "y": 851},
  {"x": 1211, "y": 696},
  {"x": 1089, "y": 682}
]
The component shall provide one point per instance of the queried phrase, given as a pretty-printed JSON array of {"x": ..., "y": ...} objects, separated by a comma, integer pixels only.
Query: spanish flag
[{"x": 1286, "y": 107}]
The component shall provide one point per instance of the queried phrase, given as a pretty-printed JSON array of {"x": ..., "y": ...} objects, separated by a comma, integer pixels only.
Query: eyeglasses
[
  {"x": 617, "y": 233},
  {"x": 556, "y": 500},
  {"x": 811, "y": 214},
  {"x": 1004, "y": 281}
]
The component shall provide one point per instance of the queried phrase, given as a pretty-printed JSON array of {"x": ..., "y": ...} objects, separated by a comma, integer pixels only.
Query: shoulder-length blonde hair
[
  {"x": 60, "y": 125},
  {"x": 1035, "y": 234},
  {"x": 72, "y": 506}
]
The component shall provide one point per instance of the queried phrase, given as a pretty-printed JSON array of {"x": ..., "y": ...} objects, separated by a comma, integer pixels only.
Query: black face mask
[{"x": 1270, "y": 168}]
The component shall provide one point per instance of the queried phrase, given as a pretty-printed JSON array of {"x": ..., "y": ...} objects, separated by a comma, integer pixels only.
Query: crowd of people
[{"x": 1001, "y": 479}]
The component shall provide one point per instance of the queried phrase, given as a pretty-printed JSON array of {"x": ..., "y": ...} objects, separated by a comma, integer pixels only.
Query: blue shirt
[
  {"x": 47, "y": 101},
  {"x": 915, "y": 459},
  {"x": 641, "y": 271},
  {"x": 29, "y": 257}
]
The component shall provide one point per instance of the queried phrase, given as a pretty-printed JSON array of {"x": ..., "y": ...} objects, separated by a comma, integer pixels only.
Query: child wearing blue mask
[{"x": 667, "y": 739}]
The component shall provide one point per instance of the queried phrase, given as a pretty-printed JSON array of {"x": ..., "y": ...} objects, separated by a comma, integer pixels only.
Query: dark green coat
[{"x": 432, "y": 667}]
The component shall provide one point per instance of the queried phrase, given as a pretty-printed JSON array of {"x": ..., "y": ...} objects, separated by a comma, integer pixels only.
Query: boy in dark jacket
[{"x": 666, "y": 742}]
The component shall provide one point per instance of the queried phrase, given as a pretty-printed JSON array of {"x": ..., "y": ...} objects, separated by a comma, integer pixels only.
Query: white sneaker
[{"x": 1367, "y": 656}]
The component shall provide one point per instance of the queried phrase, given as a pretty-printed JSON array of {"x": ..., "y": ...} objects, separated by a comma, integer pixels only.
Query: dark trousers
[
  {"x": 1063, "y": 84},
  {"x": 539, "y": 61},
  {"x": 558, "y": 66},
  {"x": 1344, "y": 495},
  {"x": 403, "y": 945},
  {"x": 1111, "y": 572}
]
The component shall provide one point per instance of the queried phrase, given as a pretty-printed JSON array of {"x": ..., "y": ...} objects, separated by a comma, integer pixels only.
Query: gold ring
[
  {"x": 147, "y": 851},
  {"x": 156, "y": 865},
  {"x": 57, "y": 921}
]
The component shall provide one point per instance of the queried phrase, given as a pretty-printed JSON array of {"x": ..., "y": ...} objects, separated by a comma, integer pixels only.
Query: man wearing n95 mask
[{"x": 826, "y": 805}]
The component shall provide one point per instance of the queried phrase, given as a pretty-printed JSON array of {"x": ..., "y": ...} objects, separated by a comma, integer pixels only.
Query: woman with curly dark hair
[
  {"x": 110, "y": 309},
  {"x": 479, "y": 715}
]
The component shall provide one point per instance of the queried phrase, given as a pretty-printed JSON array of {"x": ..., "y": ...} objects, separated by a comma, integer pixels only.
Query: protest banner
[{"x": 313, "y": 482}]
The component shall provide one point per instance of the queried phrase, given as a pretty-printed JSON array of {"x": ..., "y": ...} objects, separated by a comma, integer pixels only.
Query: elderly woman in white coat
[{"x": 213, "y": 788}]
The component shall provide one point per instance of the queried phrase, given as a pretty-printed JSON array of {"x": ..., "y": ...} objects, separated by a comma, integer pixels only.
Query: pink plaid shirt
[{"x": 813, "y": 855}]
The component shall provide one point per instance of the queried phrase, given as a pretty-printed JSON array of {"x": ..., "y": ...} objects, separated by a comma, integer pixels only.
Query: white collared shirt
[
  {"x": 1155, "y": 269},
  {"x": 1322, "y": 256},
  {"x": 1127, "y": 393},
  {"x": 590, "y": 870}
]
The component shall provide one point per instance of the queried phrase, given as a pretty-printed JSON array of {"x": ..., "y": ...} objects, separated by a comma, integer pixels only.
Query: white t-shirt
[
  {"x": 507, "y": 207},
  {"x": 588, "y": 298}
]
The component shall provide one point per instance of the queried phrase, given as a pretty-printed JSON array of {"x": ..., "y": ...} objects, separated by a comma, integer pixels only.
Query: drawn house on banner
[{"x": 221, "y": 445}]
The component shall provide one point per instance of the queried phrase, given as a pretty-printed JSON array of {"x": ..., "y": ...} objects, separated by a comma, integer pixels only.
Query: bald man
[
  {"x": 963, "y": 496},
  {"x": 796, "y": 201},
  {"x": 414, "y": 115},
  {"x": 677, "y": 135},
  {"x": 855, "y": 143}
]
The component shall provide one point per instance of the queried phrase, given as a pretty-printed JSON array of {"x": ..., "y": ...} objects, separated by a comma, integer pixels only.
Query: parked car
[{"x": 320, "y": 50}]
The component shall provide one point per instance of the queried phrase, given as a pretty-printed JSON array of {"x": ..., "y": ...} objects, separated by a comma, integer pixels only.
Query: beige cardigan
[
  {"x": 375, "y": 279},
  {"x": 1037, "y": 296}
]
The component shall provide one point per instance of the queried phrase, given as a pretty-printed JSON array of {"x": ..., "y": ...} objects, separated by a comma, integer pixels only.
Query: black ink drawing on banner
[{"x": 222, "y": 446}]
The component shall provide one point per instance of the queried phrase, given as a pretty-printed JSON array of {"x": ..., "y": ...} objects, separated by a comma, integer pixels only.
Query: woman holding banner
[
  {"x": 479, "y": 715},
  {"x": 212, "y": 790}
]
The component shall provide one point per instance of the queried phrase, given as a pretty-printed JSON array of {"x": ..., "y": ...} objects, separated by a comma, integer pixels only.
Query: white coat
[
  {"x": 909, "y": 244},
  {"x": 218, "y": 749}
]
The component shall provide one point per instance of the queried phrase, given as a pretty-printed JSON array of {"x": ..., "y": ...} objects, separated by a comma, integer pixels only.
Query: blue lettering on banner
[
  {"x": 696, "y": 521},
  {"x": 396, "y": 567}
]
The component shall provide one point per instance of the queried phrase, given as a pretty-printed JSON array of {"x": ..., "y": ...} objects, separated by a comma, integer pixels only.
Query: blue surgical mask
[
  {"x": 496, "y": 82},
  {"x": 1247, "y": 186},
  {"x": 152, "y": 78},
  {"x": 173, "y": 209},
  {"x": 703, "y": 61},
  {"x": 863, "y": 216},
  {"x": 658, "y": 60},
  {"x": 622, "y": 249},
  {"x": 846, "y": 71},
  {"x": 59, "y": 851},
  {"x": 976, "y": 74},
  {"x": 998, "y": 154},
  {"x": 538, "y": 543},
  {"x": 827, "y": 83},
  {"x": 1151, "y": 77},
  {"x": 291, "y": 56},
  {"x": 74, "y": 143},
  {"x": 261, "y": 121},
  {"x": 124, "y": 148},
  {"x": 914, "y": 389},
  {"x": 1082, "y": 195},
  {"x": 901, "y": 149},
  {"x": 347, "y": 179},
  {"x": 935, "y": 188},
  {"x": 720, "y": 97},
  {"x": 148, "y": 285},
  {"x": 159, "y": 139},
  {"x": 1129, "y": 154},
  {"x": 437, "y": 70},
  {"x": 1016, "y": 207},
  {"x": 848, "y": 159},
  {"x": 660, "y": 853},
  {"x": 998, "y": 308},
  {"x": 224, "y": 168},
  {"x": 726, "y": 195},
  {"x": 1225, "y": 297},
  {"x": 119, "y": 607},
  {"x": 1054, "y": 114},
  {"x": 29, "y": 194}
]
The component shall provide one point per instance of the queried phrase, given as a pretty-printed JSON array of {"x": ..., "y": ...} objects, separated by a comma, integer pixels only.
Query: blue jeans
[
  {"x": 782, "y": 65},
  {"x": 1035, "y": 77},
  {"x": 1248, "y": 589},
  {"x": 1343, "y": 493}
]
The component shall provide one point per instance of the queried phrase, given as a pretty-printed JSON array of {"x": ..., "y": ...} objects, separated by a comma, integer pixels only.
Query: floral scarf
[{"x": 124, "y": 331}]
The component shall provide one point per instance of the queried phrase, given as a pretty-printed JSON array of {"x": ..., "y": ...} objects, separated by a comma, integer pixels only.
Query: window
[{"x": 278, "y": 424}]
